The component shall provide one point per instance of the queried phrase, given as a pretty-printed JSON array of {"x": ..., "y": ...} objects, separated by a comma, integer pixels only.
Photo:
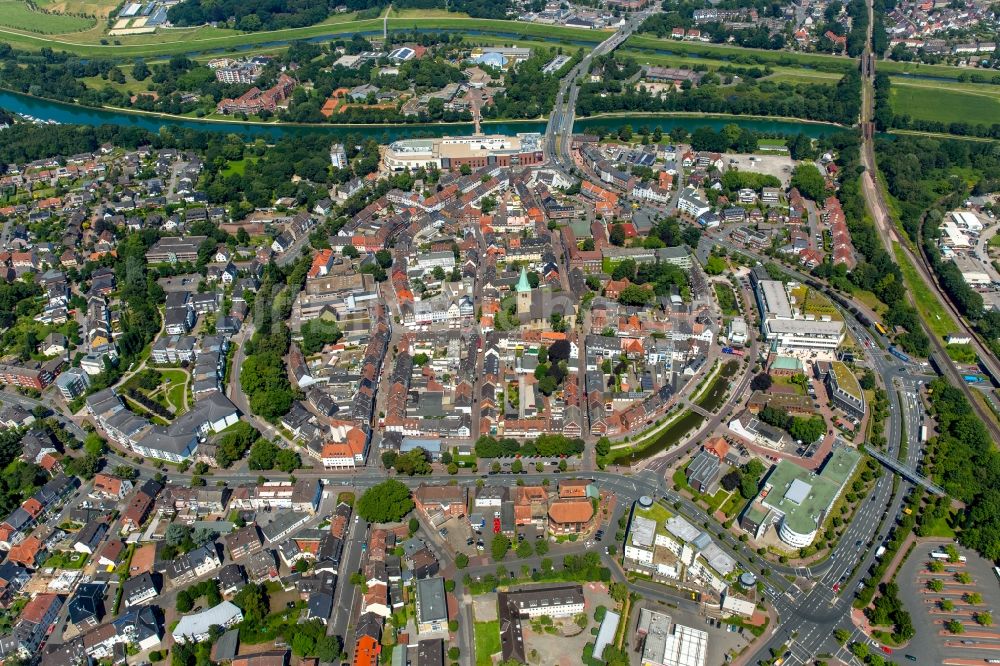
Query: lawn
[
  {"x": 130, "y": 85},
  {"x": 66, "y": 559},
  {"x": 787, "y": 383},
  {"x": 237, "y": 167},
  {"x": 946, "y": 103},
  {"x": 487, "y": 642},
  {"x": 929, "y": 306},
  {"x": 18, "y": 15},
  {"x": 657, "y": 513},
  {"x": 941, "y": 527},
  {"x": 733, "y": 504},
  {"x": 716, "y": 501}
]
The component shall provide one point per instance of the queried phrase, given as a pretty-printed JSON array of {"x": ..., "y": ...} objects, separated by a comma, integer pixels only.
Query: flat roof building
[
  {"x": 668, "y": 643},
  {"x": 800, "y": 499},
  {"x": 450, "y": 152}
]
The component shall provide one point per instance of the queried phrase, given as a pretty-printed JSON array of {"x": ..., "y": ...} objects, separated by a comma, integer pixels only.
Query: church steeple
[{"x": 523, "y": 293}]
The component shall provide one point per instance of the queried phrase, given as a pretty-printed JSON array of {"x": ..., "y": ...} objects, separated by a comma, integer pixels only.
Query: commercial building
[
  {"x": 973, "y": 272},
  {"x": 798, "y": 500},
  {"x": 666, "y": 643},
  {"x": 787, "y": 329},
  {"x": 451, "y": 152},
  {"x": 842, "y": 386}
]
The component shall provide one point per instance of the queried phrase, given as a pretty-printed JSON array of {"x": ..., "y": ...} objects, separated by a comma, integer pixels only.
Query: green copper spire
[{"x": 522, "y": 283}]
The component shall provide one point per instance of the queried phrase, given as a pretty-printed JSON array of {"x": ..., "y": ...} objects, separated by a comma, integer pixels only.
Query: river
[{"x": 74, "y": 114}]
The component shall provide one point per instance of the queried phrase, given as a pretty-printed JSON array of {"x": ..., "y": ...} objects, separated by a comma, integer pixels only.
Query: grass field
[
  {"x": 193, "y": 40},
  {"x": 975, "y": 103},
  {"x": 929, "y": 306},
  {"x": 487, "y": 642},
  {"x": 130, "y": 85},
  {"x": 16, "y": 14}
]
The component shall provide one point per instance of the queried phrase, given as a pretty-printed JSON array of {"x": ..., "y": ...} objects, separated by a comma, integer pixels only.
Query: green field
[
  {"x": 487, "y": 642},
  {"x": 975, "y": 103},
  {"x": 187, "y": 40},
  {"x": 16, "y": 14},
  {"x": 930, "y": 308}
]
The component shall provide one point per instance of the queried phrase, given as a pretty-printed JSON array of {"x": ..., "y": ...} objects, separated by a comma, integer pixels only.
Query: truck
[{"x": 899, "y": 354}]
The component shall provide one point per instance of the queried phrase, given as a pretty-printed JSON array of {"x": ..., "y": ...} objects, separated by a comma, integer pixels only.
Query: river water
[{"x": 71, "y": 113}]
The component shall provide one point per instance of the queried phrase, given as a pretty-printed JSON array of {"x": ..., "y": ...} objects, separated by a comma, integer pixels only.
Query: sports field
[
  {"x": 17, "y": 15},
  {"x": 975, "y": 103}
]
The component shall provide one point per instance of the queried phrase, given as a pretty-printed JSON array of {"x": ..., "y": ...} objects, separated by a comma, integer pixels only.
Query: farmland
[{"x": 18, "y": 15}]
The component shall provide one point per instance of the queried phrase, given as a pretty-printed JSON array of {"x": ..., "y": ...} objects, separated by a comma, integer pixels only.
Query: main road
[{"x": 559, "y": 130}]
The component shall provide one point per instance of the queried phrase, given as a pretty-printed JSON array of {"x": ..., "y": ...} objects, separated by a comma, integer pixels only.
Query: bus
[
  {"x": 923, "y": 433},
  {"x": 942, "y": 555},
  {"x": 880, "y": 328}
]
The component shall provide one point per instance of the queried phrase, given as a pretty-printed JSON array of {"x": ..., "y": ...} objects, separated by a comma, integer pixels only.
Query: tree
[
  {"x": 715, "y": 265},
  {"x": 461, "y": 560},
  {"x": 287, "y": 460},
  {"x": 635, "y": 295},
  {"x": 499, "y": 546},
  {"x": 947, "y": 605},
  {"x": 761, "y": 382},
  {"x": 984, "y": 618},
  {"x": 936, "y": 585},
  {"x": 413, "y": 525},
  {"x": 253, "y": 601},
  {"x": 954, "y": 626},
  {"x": 541, "y": 547},
  {"x": 524, "y": 549},
  {"x": 973, "y": 598},
  {"x": 386, "y": 502},
  {"x": 618, "y": 592},
  {"x": 263, "y": 455},
  {"x": 809, "y": 181},
  {"x": 517, "y": 466}
]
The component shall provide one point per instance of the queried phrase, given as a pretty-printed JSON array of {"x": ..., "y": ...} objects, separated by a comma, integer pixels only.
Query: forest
[
  {"x": 837, "y": 103},
  {"x": 964, "y": 461},
  {"x": 255, "y": 15}
]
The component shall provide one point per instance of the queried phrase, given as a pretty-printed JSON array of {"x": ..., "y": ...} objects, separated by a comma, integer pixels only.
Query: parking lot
[
  {"x": 933, "y": 643},
  {"x": 779, "y": 166}
]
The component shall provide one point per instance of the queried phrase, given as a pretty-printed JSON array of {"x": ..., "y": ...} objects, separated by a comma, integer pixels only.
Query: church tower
[{"x": 523, "y": 293}]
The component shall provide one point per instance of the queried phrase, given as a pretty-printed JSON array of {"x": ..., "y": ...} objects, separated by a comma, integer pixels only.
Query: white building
[
  {"x": 338, "y": 156},
  {"x": 195, "y": 628}
]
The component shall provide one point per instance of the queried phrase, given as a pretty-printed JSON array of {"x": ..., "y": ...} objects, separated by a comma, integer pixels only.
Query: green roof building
[{"x": 803, "y": 498}]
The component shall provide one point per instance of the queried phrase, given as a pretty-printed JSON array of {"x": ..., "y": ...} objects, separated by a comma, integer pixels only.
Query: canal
[
  {"x": 676, "y": 431},
  {"x": 74, "y": 114}
]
